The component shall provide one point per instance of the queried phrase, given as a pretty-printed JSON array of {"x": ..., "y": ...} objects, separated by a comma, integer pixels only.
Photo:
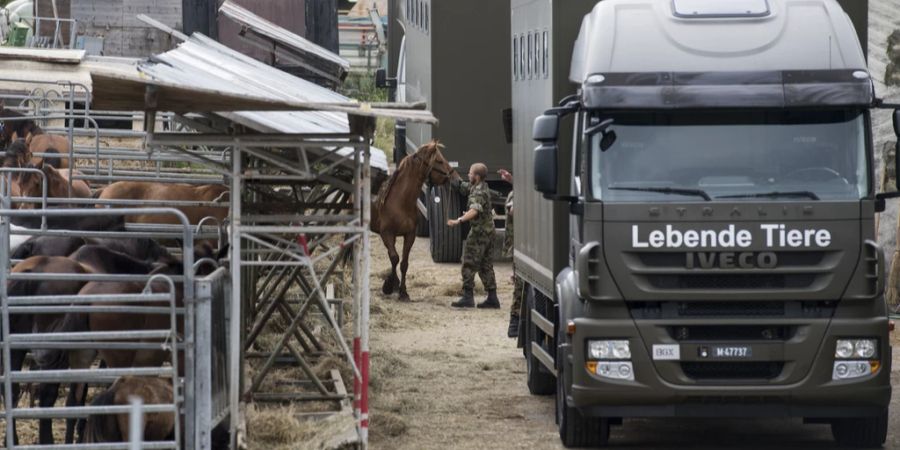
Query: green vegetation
[{"x": 362, "y": 87}]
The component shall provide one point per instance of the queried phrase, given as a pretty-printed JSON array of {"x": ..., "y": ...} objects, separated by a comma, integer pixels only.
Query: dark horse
[
  {"x": 394, "y": 212},
  {"x": 36, "y": 140}
]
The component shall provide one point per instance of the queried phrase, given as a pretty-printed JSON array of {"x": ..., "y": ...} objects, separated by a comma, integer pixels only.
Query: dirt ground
[{"x": 445, "y": 378}]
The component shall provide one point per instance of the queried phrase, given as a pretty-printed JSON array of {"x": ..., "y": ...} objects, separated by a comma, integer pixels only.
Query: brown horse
[
  {"x": 36, "y": 140},
  {"x": 162, "y": 192},
  {"x": 47, "y": 323},
  {"x": 29, "y": 185},
  {"x": 394, "y": 212},
  {"x": 115, "y": 427}
]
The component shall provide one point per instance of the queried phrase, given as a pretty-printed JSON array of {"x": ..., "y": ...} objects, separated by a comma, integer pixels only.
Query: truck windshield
[{"x": 733, "y": 156}]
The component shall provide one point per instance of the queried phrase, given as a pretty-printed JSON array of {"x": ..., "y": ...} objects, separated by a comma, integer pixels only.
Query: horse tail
[
  {"x": 103, "y": 427},
  {"x": 97, "y": 193}
]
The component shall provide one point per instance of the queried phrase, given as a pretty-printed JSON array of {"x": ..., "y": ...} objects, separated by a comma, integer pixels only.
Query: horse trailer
[{"x": 454, "y": 57}]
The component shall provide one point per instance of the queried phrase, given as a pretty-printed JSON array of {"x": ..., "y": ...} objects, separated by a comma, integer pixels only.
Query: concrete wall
[{"x": 122, "y": 33}]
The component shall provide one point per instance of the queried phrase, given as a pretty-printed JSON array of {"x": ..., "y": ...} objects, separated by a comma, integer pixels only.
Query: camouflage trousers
[
  {"x": 477, "y": 259},
  {"x": 518, "y": 293}
]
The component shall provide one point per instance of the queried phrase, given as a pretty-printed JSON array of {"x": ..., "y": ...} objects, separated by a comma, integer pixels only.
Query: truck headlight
[
  {"x": 618, "y": 349},
  {"x": 856, "y": 348}
]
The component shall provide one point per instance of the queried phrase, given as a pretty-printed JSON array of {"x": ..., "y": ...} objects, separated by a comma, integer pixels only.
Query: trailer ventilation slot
[
  {"x": 710, "y": 371},
  {"x": 711, "y": 9}
]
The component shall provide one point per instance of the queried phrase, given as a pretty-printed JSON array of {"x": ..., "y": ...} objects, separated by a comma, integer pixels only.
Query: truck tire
[
  {"x": 860, "y": 432},
  {"x": 446, "y": 242},
  {"x": 540, "y": 380},
  {"x": 575, "y": 430}
]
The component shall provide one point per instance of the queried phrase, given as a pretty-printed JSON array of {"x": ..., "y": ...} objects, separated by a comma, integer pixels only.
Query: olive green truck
[{"x": 696, "y": 226}]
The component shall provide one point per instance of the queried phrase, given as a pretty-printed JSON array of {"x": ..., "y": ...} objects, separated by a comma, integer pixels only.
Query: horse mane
[{"x": 386, "y": 187}]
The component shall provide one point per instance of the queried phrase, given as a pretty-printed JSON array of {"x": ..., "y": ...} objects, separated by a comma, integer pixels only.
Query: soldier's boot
[
  {"x": 513, "y": 330},
  {"x": 467, "y": 300},
  {"x": 491, "y": 301}
]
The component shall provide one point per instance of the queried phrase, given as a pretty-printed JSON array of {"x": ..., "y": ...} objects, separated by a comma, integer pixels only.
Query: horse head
[
  {"x": 17, "y": 155},
  {"x": 439, "y": 169}
]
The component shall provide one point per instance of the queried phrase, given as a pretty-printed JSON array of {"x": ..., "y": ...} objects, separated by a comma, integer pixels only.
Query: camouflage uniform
[
  {"x": 508, "y": 241},
  {"x": 480, "y": 241}
]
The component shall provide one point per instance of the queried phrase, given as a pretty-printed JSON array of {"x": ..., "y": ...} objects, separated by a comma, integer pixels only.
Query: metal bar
[
  {"x": 159, "y": 445},
  {"x": 93, "y": 345},
  {"x": 90, "y": 335},
  {"x": 143, "y": 310},
  {"x": 135, "y": 422},
  {"x": 86, "y": 375},
  {"x": 85, "y": 411},
  {"x": 68, "y": 299}
]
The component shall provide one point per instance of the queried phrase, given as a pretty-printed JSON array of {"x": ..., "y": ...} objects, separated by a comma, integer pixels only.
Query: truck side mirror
[
  {"x": 545, "y": 169},
  {"x": 546, "y": 131},
  {"x": 382, "y": 81},
  {"x": 546, "y": 128}
]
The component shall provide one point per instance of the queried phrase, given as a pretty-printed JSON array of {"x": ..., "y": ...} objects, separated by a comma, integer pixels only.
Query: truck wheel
[
  {"x": 861, "y": 432},
  {"x": 576, "y": 430},
  {"x": 446, "y": 242},
  {"x": 540, "y": 380}
]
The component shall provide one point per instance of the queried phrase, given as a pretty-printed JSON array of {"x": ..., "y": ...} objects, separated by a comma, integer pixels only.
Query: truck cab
[{"x": 721, "y": 205}]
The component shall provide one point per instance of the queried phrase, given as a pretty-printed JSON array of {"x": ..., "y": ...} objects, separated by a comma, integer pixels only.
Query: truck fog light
[
  {"x": 846, "y": 370},
  {"x": 856, "y": 348},
  {"x": 620, "y": 370},
  {"x": 609, "y": 350}
]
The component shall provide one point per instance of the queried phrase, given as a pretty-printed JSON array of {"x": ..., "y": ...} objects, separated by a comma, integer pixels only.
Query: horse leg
[
  {"x": 408, "y": 241},
  {"x": 76, "y": 397},
  {"x": 390, "y": 283},
  {"x": 47, "y": 395},
  {"x": 18, "y": 359}
]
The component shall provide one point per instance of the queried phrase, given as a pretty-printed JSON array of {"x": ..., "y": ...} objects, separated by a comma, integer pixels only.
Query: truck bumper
[{"x": 663, "y": 389}]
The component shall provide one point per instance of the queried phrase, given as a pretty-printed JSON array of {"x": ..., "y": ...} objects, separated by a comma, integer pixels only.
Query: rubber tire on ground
[
  {"x": 422, "y": 221},
  {"x": 576, "y": 430},
  {"x": 446, "y": 242},
  {"x": 540, "y": 380},
  {"x": 861, "y": 432}
]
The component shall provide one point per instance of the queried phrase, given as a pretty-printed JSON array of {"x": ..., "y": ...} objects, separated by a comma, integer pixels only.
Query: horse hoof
[
  {"x": 388, "y": 287},
  {"x": 404, "y": 297}
]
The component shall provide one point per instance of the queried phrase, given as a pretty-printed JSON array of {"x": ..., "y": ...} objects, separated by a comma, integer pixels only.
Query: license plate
[{"x": 730, "y": 352}]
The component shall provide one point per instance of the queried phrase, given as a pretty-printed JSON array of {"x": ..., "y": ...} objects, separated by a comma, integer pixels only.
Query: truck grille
[
  {"x": 712, "y": 371},
  {"x": 736, "y": 309},
  {"x": 731, "y": 332},
  {"x": 749, "y": 281}
]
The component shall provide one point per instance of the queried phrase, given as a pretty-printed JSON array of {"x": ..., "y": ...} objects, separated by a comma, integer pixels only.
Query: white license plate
[{"x": 731, "y": 351}]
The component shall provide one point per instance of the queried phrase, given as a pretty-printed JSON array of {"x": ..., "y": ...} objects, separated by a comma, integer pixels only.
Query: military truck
[{"x": 698, "y": 218}]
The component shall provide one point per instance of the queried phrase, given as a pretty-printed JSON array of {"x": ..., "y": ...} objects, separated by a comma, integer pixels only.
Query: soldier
[
  {"x": 479, "y": 242},
  {"x": 518, "y": 285}
]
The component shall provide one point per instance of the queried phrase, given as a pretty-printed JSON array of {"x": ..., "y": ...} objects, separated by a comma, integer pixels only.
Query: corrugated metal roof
[{"x": 279, "y": 34}]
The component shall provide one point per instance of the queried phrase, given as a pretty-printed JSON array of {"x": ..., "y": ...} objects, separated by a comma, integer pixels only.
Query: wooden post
[{"x": 322, "y": 23}]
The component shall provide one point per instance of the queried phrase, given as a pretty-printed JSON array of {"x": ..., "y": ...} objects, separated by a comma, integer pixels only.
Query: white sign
[
  {"x": 666, "y": 352},
  {"x": 776, "y": 235}
]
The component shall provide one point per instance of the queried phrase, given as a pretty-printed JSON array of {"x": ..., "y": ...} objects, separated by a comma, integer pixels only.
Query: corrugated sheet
[{"x": 282, "y": 36}]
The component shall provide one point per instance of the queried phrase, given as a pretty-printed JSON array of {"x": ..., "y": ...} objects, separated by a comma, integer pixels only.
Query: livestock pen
[{"x": 295, "y": 163}]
